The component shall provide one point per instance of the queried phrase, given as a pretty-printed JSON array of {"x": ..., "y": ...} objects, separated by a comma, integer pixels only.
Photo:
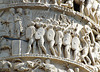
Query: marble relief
[{"x": 54, "y": 39}]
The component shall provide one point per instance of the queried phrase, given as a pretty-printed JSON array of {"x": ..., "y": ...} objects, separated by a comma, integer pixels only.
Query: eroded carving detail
[{"x": 58, "y": 35}]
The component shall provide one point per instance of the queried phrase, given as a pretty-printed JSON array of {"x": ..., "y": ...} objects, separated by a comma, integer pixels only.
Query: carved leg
[
  {"x": 59, "y": 49},
  {"x": 34, "y": 46},
  {"x": 29, "y": 45},
  {"x": 40, "y": 50},
  {"x": 97, "y": 19},
  {"x": 18, "y": 28},
  {"x": 67, "y": 51},
  {"x": 11, "y": 28},
  {"x": 42, "y": 45},
  {"x": 92, "y": 58},
  {"x": 88, "y": 60},
  {"x": 76, "y": 52},
  {"x": 18, "y": 33},
  {"x": 52, "y": 48},
  {"x": 84, "y": 60}
]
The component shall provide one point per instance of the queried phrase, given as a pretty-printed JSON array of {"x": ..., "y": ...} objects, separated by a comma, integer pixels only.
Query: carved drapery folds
[{"x": 49, "y": 33}]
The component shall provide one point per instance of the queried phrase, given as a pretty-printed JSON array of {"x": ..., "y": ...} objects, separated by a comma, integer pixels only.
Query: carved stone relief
[{"x": 50, "y": 36}]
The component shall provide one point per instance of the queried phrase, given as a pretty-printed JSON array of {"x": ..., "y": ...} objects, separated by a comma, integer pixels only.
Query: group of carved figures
[
  {"x": 12, "y": 23},
  {"x": 18, "y": 65},
  {"x": 86, "y": 47},
  {"x": 90, "y": 8},
  {"x": 50, "y": 35}
]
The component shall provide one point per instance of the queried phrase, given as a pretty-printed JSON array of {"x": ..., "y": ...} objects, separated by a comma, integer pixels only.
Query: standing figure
[
  {"x": 85, "y": 51},
  {"x": 10, "y": 20},
  {"x": 18, "y": 22},
  {"x": 59, "y": 36},
  {"x": 27, "y": 19},
  {"x": 30, "y": 32},
  {"x": 39, "y": 35},
  {"x": 4, "y": 27},
  {"x": 76, "y": 47},
  {"x": 67, "y": 43},
  {"x": 50, "y": 37},
  {"x": 87, "y": 30}
]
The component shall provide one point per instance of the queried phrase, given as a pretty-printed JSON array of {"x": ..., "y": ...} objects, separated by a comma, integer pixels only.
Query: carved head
[
  {"x": 89, "y": 23},
  {"x": 19, "y": 10},
  {"x": 87, "y": 29},
  {"x": 12, "y": 10},
  {"x": 59, "y": 28},
  {"x": 27, "y": 11},
  {"x": 30, "y": 64},
  {"x": 48, "y": 21},
  {"x": 50, "y": 26},
  {"x": 37, "y": 19},
  {"x": 47, "y": 61}
]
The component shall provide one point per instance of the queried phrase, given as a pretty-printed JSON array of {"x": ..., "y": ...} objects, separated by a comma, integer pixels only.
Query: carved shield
[
  {"x": 75, "y": 43},
  {"x": 40, "y": 32},
  {"x": 67, "y": 39},
  {"x": 30, "y": 31},
  {"x": 50, "y": 34}
]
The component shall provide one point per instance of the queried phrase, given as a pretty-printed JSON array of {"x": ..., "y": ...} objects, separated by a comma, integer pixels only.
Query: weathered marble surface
[{"x": 33, "y": 33}]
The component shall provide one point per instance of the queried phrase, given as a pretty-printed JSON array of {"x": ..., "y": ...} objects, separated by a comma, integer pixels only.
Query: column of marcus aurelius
[{"x": 49, "y": 35}]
